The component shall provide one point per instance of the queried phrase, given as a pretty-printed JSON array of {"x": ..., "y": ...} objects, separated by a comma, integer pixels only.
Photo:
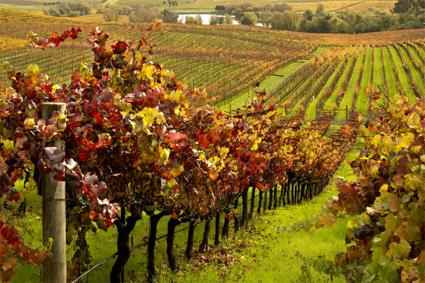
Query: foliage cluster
[
  {"x": 68, "y": 10},
  {"x": 387, "y": 238},
  {"x": 135, "y": 144},
  {"x": 407, "y": 14}
]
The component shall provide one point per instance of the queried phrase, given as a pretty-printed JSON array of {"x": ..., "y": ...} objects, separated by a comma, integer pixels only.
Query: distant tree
[
  {"x": 220, "y": 8},
  {"x": 143, "y": 14},
  {"x": 304, "y": 25},
  {"x": 338, "y": 25},
  {"x": 409, "y": 6},
  {"x": 265, "y": 18},
  {"x": 169, "y": 17},
  {"x": 280, "y": 7},
  {"x": 320, "y": 10},
  {"x": 111, "y": 15},
  {"x": 319, "y": 25},
  {"x": 308, "y": 15},
  {"x": 215, "y": 20},
  {"x": 194, "y": 20},
  {"x": 228, "y": 20},
  {"x": 68, "y": 10},
  {"x": 410, "y": 21},
  {"x": 249, "y": 19},
  {"x": 284, "y": 21}
]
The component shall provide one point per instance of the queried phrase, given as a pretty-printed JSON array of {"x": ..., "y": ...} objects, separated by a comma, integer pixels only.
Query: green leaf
[{"x": 33, "y": 69}]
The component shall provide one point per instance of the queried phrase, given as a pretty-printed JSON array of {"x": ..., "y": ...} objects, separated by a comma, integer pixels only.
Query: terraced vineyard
[
  {"x": 228, "y": 61},
  {"x": 346, "y": 79},
  {"x": 146, "y": 151}
]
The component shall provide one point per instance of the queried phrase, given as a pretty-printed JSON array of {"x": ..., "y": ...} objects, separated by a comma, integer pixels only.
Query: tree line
[{"x": 406, "y": 14}]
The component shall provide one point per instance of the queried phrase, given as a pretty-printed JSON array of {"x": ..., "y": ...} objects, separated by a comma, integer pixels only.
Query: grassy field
[{"x": 274, "y": 242}]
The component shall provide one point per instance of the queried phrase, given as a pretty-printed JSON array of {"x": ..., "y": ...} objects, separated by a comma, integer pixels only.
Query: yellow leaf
[
  {"x": 384, "y": 188},
  {"x": 33, "y": 68},
  {"x": 29, "y": 123},
  {"x": 164, "y": 153},
  {"x": 151, "y": 115},
  {"x": 176, "y": 95},
  {"x": 406, "y": 140},
  {"x": 213, "y": 176},
  {"x": 414, "y": 120},
  {"x": 175, "y": 172},
  {"x": 351, "y": 224}
]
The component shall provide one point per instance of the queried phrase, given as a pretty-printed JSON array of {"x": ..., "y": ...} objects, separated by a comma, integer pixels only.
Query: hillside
[
  {"x": 229, "y": 60},
  {"x": 256, "y": 134},
  {"x": 362, "y": 6}
]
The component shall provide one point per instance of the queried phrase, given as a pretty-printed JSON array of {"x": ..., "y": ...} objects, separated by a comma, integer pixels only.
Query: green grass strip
[
  {"x": 362, "y": 103},
  {"x": 347, "y": 98},
  {"x": 331, "y": 101},
  {"x": 311, "y": 109},
  {"x": 402, "y": 76},
  {"x": 418, "y": 78},
  {"x": 390, "y": 77}
]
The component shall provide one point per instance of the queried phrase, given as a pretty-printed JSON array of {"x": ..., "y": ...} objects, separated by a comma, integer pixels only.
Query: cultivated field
[
  {"x": 324, "y": 84},
  {"x": 228, "y": 61}
]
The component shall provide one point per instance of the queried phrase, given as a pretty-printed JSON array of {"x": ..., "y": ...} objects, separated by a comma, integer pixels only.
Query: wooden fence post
[{"x": 54, "y": 212}]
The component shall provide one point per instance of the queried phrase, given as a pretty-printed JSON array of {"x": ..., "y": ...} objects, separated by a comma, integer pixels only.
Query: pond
[{"x": 205, "y": 18}]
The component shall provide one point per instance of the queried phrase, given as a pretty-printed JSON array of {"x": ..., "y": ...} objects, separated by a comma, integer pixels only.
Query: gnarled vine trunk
[
  {"x": 260, "y": 202},
  {"x": 251, "y": 210},
  {"x": 154, "y": 219},
  {"x": 204, "y": 244},
  {"x": 236, "y": 217},
  {"x": 226, "y": 225},
  {"x": 123, "y": 244},
  {"x": 217, "y": 228},
  {"x": 270, "y": 199},
  {"x": 244, "y": 219},
  {"x": 172, "y": 224},
  {"x": 189, "y": 244}
]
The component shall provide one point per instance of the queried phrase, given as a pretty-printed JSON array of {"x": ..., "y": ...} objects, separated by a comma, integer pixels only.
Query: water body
[{"x": 205, "y": 18}]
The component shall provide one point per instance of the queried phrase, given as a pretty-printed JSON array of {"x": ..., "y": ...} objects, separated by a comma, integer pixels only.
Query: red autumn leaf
[
  {"x": 203, "y": 141},
  {"x": 74, "y": 32},
  {"x": 143, "y": 42},
  {"x": 98, "y": 117},
  {"x": 55, "y": 38},
  {"x": 119, "y": 47},
  {"x": 83, "y": 155},
  {"x": 175, "y": 138},
  {"x": 13, "y": 196}
]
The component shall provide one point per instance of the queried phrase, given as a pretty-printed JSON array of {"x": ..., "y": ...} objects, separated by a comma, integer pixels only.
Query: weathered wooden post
[{"x": 54, "y": 216}]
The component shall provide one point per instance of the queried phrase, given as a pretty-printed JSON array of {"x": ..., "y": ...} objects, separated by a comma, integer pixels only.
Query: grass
[
  {"x": 331, "y": 101},
  {"x": 303, "y": 99},
  {"x": 389, "y": 73},
  {"x": 311, "y": 108},
  {"x": 279, "y": 254},
  {"x": 402, "y": 76},
  {"x": 348, "y": 96},
  {"x": 362, "y": 103},
  {"x": 268, "y": 246},
  {"x": 378, "y": 77},
  {"x": 417, "y": 77}
]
